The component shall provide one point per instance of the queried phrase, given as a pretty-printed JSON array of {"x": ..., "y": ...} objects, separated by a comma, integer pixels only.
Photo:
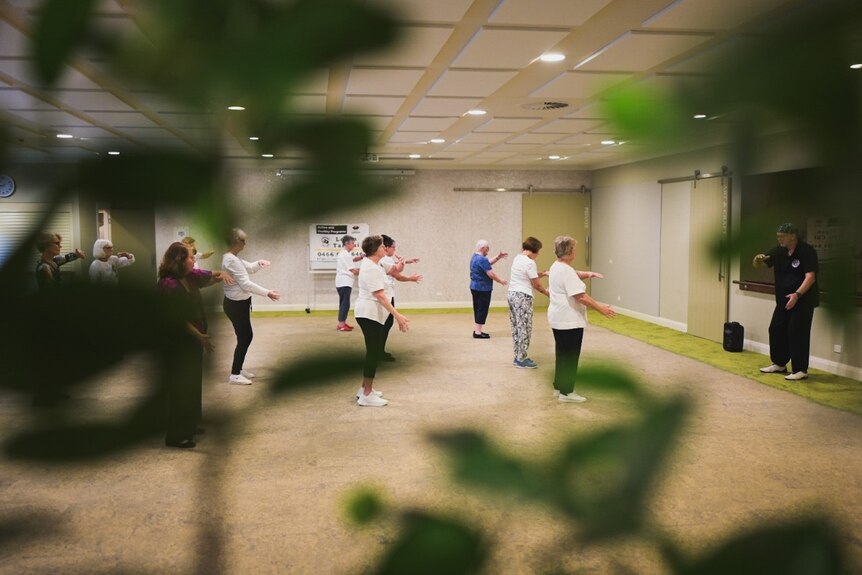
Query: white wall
[
  {"x": 428, "y": 220},
  {"x": 620, "y": 204}
]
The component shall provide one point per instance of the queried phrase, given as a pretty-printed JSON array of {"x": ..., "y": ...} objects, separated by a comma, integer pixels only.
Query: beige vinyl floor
[{"x": 749, "y": 455}]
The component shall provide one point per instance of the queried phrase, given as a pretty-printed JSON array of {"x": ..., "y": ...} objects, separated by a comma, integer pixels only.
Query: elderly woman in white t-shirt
[
  {"x": 372, "y": 310},
  {"x": 567, "y": 316},
  {"x": 523, "y": 279},
  {"x": 237, "y": 301},
  {"x": 105, "y": 266}
]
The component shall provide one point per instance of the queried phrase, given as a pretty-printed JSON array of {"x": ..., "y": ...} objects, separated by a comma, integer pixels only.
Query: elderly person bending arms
[{"x": 482, "y": 279}]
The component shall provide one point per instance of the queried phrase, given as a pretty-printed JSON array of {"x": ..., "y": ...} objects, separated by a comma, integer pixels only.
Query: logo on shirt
[{"x": 795, "y": 263}]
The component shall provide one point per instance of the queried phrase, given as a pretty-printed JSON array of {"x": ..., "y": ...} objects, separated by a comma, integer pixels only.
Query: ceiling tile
[
  {"x": 411, "y": 137},
  {"x": 579, "y": 85},
  {"x": 417, "y": 47},
  {"x": 48, "y": 117},
  {"x": 375, "y": 105},
  {"x": 477, "y": 84},
  {"x": 508, "y": 124},
  {"x": 566, "y": 13},
  {"x": 484, "y": 138},
  {"x": 382, "y": 82},
  {"x": 123, "y": 119},
  {"x": 12, "y": 99},
  {"x": 451, "y": 107},
  {"x": 710, "y": 14},
  {"x": 90, "y": 100},
  {"x": 427, "y": 124},
  {"x": 637, "y": 52},
  {"x": 508, "y": 49},
  {"x": 535, "y": 138},
  {"x": 566, "y": 126}
]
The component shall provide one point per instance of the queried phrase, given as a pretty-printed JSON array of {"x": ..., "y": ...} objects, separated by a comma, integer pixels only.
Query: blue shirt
[{"x": 479, "y": 268}]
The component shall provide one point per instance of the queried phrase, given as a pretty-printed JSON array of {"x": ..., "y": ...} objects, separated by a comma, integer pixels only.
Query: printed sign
[{"x": 324, "y": 243}]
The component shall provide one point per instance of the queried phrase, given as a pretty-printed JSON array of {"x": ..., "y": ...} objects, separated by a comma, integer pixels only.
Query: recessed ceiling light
[
  {"x": 414, "y": 156},
  {"x": 554, "y": 157},
  {"x": 476, "y": 112},
  {"x": 113, "y": 153},
  {"x": 236, "y": 108},
  {"x": 608, "y": 142},
  {"x": 65, "y": 136},
  {"x": 699, "y": 116},
  {"x": 501, "y": 189},
  {"x": 267, "y": 156},
  {"x": 552, "y": 57},
  {"x": 253, "y": 138},
  {"x": 437, "y": 140},
  {"x": 856, "y": 66}
]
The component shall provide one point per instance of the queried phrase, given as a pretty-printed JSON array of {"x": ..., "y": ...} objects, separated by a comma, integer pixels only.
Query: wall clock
[{"x": 7, "y": 186}]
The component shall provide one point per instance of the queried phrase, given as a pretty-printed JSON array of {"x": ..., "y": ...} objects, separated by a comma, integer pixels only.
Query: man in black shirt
[{"x": 796, "y": 296}]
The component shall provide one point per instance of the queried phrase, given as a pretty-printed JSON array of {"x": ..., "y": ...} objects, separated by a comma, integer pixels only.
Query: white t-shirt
[
  {"x": 239, "y": 270},
  {"x": 106, "y": 271},
  {"x": 372, "y": 278},
  {"x": 523, "y": 269},
  {"x": 343, "y": 264},
  {"x": 387, "y": 262},
  {"x": 564, "y": 312}
]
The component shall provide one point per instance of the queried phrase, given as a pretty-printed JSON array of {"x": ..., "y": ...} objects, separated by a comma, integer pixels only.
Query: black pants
[
  {"x": 790, "y": 336},
  {"x": 343, "y": 302},
  {"x": 373, "y": 333},
  {"x": 481, "y": 304},
  {"x": 388, "y": 326},
  {"x": 239, "y": 314},
  {"x": 184, "y": 393},
  {"x": 568, "y": 353}
]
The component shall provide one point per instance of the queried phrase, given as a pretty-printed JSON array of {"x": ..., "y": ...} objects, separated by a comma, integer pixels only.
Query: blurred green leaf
[
  {"x": 364, "y": 505},
  {"x": 43, "y": 324},
  {"x": 643, "y": 113},
  {"x": 798, "y": 547},
  {"x": 319, "y": 370},
  {"x": 61, "y": 27},
  {"x": 604, "y": 480},
  {"x": 476, "y": 462},
  {"x": 603, "y": 377},
  {"x": 430, "y": 545}
]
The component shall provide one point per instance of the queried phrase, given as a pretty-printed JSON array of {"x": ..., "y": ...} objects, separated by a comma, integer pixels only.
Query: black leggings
[
  {"x": 239, "y": 314},
  {"x": 374, "y": 337},
  {"x": 388, "y": 326},
  {"x": 568, "y": 351}
]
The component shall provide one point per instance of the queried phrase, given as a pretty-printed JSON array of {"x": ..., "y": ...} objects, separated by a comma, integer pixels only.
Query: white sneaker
[
  {"x": 373, "y": 392},
  {"x": 773, "y": 369},
  {"x": 239, "y": 379},
  {"x": 556, "y": 393},
  {"x": 797, "y": 375},
  {"x": 572, "y": 398},
  {"x": 371, "y": 400},
  {"x": 247, "y": 374}
]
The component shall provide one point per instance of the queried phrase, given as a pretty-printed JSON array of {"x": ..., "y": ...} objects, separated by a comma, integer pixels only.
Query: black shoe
[
  {"x": 200, "y": 431},
  {"x": 182, "y": 444},
  {"x": 481, "y": 335},
  {"x": 387, "y": 356}
]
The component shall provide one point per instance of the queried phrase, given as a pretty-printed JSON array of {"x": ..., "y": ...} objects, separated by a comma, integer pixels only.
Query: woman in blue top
[{"x": 482, "y": 279}]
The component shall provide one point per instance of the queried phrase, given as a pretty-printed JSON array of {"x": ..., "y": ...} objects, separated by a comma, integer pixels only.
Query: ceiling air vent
[{"x": 544, "y": 105}]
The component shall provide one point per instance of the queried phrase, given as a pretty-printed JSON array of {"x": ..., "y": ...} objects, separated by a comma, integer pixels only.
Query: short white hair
[
  {"x": 99, "y": 248},
  {"x": 482, "y": 244}
]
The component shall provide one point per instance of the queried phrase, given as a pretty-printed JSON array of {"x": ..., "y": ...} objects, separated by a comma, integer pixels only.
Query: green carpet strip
[{"x": 825, "y": 388}]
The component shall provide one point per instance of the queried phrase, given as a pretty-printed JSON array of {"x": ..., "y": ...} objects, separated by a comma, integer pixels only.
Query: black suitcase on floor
[{"x": 734, "y": 334}]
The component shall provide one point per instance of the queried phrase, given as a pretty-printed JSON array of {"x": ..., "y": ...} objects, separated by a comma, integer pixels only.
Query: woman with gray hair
[
  {"x": 567, "y": 316},
  {"x": 237, "y": 301},
  {"x": 105, "y": 267},
  {"x": 482, "y": 279}
]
